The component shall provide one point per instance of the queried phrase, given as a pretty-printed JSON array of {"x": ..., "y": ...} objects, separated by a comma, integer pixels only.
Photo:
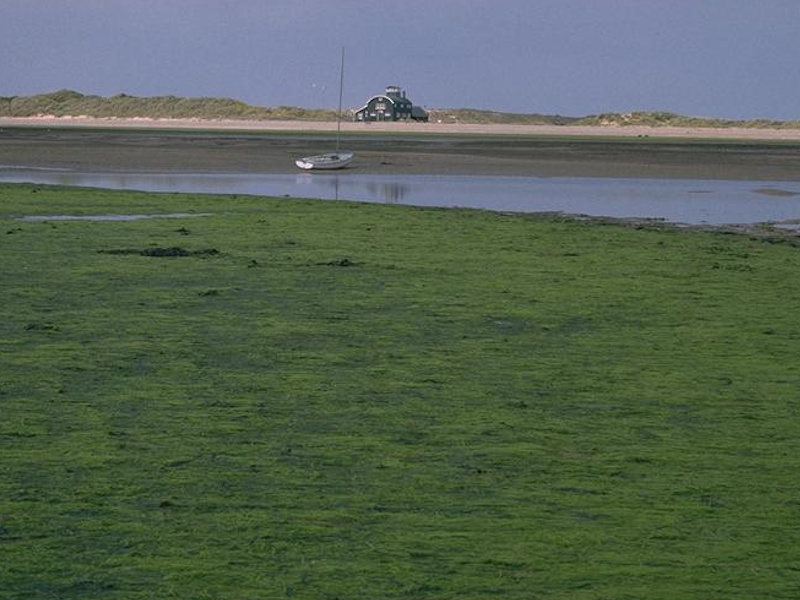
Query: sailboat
[{"x": 331, "y": 160}]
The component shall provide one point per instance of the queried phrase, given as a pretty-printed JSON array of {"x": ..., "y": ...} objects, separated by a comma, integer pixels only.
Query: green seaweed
[{"x": 480, "y": 405}]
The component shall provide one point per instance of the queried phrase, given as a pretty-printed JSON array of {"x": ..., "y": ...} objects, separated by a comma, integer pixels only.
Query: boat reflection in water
[
  {"x": 714, "y": 202},
  {"x": 346, "y": 188},
  {"x": 391, "y": 193}
]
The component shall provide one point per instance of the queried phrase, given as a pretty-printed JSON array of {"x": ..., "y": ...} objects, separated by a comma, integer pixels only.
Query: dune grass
[
  {"x": 64, "y": 103},
  {"x": 299, "y": 399},
  {"x": 69, "y": 103}
]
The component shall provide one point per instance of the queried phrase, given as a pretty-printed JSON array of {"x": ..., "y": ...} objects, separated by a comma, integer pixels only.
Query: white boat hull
[{"x": 332, "y": 160}]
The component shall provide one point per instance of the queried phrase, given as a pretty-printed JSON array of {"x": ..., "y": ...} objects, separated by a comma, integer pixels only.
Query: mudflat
[{"x": 406, "y": 149}]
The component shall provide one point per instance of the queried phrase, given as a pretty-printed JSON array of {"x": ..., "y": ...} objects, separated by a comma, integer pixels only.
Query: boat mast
[{"x": 339, "y": 112}]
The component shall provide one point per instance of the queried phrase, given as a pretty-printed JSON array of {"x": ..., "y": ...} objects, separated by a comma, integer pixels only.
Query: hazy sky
[{"x": 727, "y": 58}]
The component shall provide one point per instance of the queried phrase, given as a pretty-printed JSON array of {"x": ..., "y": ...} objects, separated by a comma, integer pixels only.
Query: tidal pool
[{"x": 690, "y": 201}]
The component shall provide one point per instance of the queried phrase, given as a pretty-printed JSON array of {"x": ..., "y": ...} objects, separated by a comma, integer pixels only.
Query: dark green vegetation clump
[
  {"x": 359, "y": 401},
  {"x": 158, "y": 252}
]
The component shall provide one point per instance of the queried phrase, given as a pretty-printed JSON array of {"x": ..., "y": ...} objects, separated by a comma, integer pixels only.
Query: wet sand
[{"x": 416, "y": 149}]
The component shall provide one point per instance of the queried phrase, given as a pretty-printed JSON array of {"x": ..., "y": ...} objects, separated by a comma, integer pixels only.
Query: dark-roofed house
[{"x": 390, "y": 106}]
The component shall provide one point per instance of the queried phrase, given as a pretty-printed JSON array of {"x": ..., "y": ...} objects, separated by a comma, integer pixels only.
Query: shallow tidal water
[{"x": 693, "y": 202}]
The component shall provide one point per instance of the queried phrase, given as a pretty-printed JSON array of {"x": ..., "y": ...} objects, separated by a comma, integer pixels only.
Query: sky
[{"x": 713, "y": 58}]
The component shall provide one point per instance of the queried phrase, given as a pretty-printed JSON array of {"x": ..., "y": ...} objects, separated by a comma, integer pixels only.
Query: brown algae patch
[{"x": 776, "y": 192}]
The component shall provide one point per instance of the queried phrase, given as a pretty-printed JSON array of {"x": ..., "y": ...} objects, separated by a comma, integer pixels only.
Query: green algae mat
[{"x": 254, "y": 398}]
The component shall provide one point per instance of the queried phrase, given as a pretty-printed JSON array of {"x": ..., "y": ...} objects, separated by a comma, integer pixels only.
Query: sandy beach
[
  {"x": 739, "y": 133},
  {"x": 412, "y": 148}
]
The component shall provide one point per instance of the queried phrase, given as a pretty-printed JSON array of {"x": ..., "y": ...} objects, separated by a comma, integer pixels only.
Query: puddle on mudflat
[
  {"x": 787, "y": 226},
  {"x": 688, "y": 201}
]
